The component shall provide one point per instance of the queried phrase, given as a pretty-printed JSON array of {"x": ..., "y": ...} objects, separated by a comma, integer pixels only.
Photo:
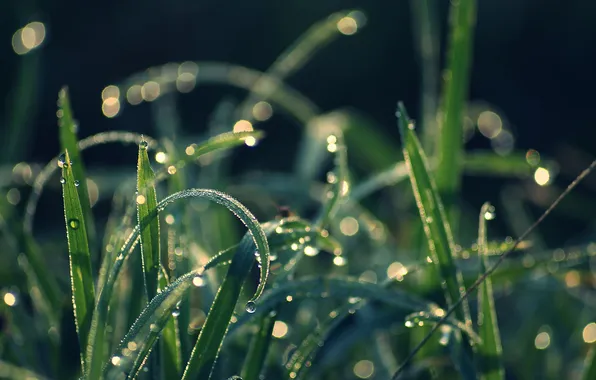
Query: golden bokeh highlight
[
  {"x": 589, "y": 333},
  {"x": 542, "y": 176},
  {"x": 141, "y": 199},
  {"x": 250, "y": 141},
  {"x": 243, "y": 126},
  {"x": 110, "y": 107},
  {"x": 161, "y": 157},
  {"x": 489, "y": 124},
  {"x": 280, "y": 329},
  {"x": 572, "y": 279},
  {"x": 262, "y": 111},
  {"x": 172, "y": 170},
  {"x": 347, "y": 26},
  {"x": 364, "y": 369},
  {"x": 150, "y": 91},
  {"x": 28, "y": 38},
  {"x": 542, "y": 341},
  {"x": 134, "y": 95},
  {"x": 10, "y": 299},
  {"x": 397, "y": 270},
  {"x": 349, "y": 226}
]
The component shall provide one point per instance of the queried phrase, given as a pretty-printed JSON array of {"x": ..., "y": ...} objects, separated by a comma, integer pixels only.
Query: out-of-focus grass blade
[
  {"x": 338, "y": 180},
  {"x": 454, "y": 98},
  {"x": 590, "y": 365},
  {"x": 435, "y": 224},
  {"x": 11, "y": 371},
  {"x": 257, "y": 353},
  {"x": 68, "y": 141},
  {"x": 206, "y": 350},
  {"x": 146, "y": 205},
  {"x": 489, "y": 350},
  {"x": 81, "y": 275},
  {"x": 299, "y": 53},
  {"x": 170, "y": 343},
  {"x": 432, "y": 214},
  {"x": 96, "y": 347}
]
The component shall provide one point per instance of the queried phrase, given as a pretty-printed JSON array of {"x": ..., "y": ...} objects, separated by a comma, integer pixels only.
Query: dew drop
[
  {"x": 62, "y": 160},
  {"x": 62, "y": 180},
  {"x": 74, "y": 223},
  {"x": 490, "y": 213},
  {"x": 411, "y": 125},
  {"x": 143, "y": 144},
  {"x": 198, "y": 281},
  {"x": 77, "y": 183},
  {"x": 251, "y": 307},
  {"x": 175, "y": 312},
  {"x": 409, "y": 324}
]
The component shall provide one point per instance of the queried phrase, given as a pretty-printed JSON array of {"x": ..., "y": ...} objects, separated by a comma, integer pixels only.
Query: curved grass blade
[
  {"x": 146, "y": 205},
  {"x": 81, "y": 275},
  {"x": 454, "y": 98},
  {"x": 297, "y": 55},
  {"x": 96, "y": 347},
  {"x": 590, "y": 365},
  {"x": 68, "y": 141},
  {"x": 206, "y": 350},
  {"x": 489, "y": 350},
  {"x": 436, "y": 228},
  {"x": 11, "y": 371},
  {"x": 257, "y": 353}
]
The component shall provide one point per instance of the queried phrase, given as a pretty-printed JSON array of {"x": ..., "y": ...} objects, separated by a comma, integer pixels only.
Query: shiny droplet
[
  {"x": 251, "y": 307},
  {"x": 62, "y": 160},
  {"x": 175, "y": 312},
  {"x": 143, "y": 144},
  {"x": 74, "y": 224},
  {"x": 77, "y": 183},
  {"x": 62, "y": 180}
]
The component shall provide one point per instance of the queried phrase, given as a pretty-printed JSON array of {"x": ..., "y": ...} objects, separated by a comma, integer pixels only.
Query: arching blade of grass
[
  {"x": 434, "y": 219},
  {"x": 294, "y": 57},
  {"x": 81, "y": 275},
  {"x": 489, "y": 350},
  {"x": 68, "y": 141},
  {"x": 206, "y": 350},
  {"x": 96, "y": 347},
  {"x": 11, "y": 371},
  {"x": 170, "y": 343},
  {"x": 590, "y": 365},
  {"x": 257, "y": 352},
  {"x": 146, "y": 205},
  {"x": 454, "y": 98}
]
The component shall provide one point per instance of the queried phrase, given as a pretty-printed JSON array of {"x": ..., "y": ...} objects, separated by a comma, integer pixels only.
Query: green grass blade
[
  {"x": 432, "y": 214},
  {"x": 68, "y": 141},
  {"x": 206, "y": 350},
  {"x": 170, "y": 344},
  {"x": 454, "y": 98},
  {"x": 96, "y": 347},
  {"x": 11, "y": 371},
  {"x": 338, "y": 180},
  {"x": 146, "y": 205},
  {"x": 590, "y": 365},
  {"x": 81, "y": 275},
  {"x": 489, "y": 350},
  {"x": 437, "y": 230},
  {"x": 257, "y": 353}
]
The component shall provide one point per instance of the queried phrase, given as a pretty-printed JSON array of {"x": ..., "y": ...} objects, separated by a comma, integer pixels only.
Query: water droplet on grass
[
  {"x": 74, "y": 223},
  {"x": 62, "y": 180},
  {"x": 77, "y": 183},
  {"x": 251, "y": 307},
  {"x": 143, "y": 144},
  {"x": 175, "y": 312},
  {"x": 62, "y": 160}
]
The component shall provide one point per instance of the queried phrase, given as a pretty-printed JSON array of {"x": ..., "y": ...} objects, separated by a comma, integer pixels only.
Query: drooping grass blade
[
  {"x": 96, "y": 347},
  {"x": 434, "y": 219},
  {"x": 81, "y": 275},
  {"x": 489, "y": 350},
  {"x": 146, "y": 205},
  {"x": 68, "y": 141},
  {"x": 454, "y": 98}
]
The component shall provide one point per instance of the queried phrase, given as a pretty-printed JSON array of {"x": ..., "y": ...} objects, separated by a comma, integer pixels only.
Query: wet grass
[{"x": 374, "y": 272}]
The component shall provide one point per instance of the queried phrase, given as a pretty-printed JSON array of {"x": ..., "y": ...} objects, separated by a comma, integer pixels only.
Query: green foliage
[{"x": 340, "y": 286}]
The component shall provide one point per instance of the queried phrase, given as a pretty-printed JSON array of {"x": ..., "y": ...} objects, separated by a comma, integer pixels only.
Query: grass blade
[
  {"x": 81, "y": 275},
  {"x": 590, "y": 365},
  {"x": 340, "y": 187},
  {"x": 257, "y": 353},
  {"x": 206, "y": 350},
  {"x": 68, "y": 141},
  {"x": 96, "y": 347},
  {"x": 170, "y": 343},
  {"x": 489, "y": 350},
  {"x": 455, "y": 94},
  {"x": 146, "y": 205},
  {"x": 433, "y": 216}
]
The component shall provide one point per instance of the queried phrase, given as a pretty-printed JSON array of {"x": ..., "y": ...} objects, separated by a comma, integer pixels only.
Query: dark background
[{"x": 533, "y": 61}]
